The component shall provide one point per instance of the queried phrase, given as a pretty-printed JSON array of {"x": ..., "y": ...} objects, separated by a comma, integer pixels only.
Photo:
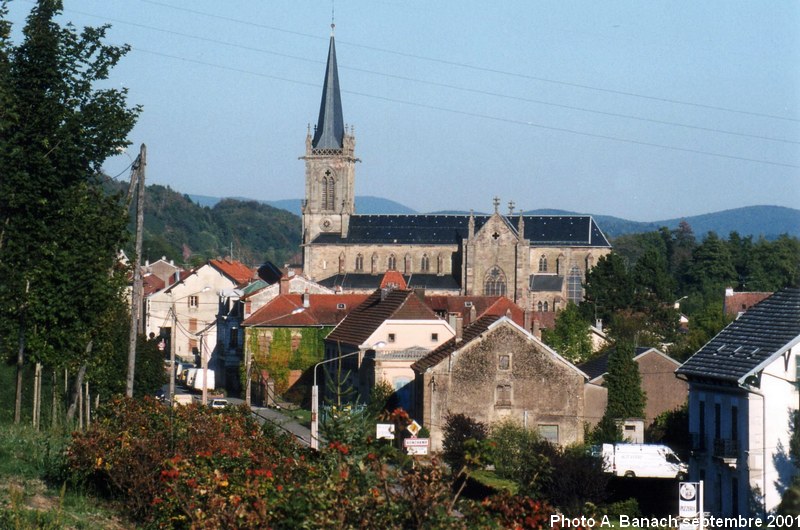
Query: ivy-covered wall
[{"x": 278, "y": 350}]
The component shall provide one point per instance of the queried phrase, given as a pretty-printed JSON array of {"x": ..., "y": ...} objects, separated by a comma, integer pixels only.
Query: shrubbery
[{"x": 192, "y": 467}]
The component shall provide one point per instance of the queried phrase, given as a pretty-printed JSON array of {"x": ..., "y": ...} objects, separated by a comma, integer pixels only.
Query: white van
[{"x": 642, "y": 460}]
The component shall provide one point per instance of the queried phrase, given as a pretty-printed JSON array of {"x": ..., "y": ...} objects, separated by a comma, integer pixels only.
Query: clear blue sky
[{"x": 642, "y": 110}]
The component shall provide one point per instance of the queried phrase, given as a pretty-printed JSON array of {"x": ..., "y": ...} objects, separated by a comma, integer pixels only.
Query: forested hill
[{"x": 182, "y": 230}]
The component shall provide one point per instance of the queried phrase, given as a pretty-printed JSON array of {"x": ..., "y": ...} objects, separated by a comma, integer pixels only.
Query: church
[{"x": 538, "y": 261}]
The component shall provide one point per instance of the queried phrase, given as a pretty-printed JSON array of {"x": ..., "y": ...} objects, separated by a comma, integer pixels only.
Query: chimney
[
  {"x": 473, "y": 313},
  {"x": 284, "y": 285},
  {"x": 537, "y": 330},
  {"x": 306, "y": 299},
  {"x": 526, "y": 320},
  {"x": 599, "y": 324},
  {"x": 451, "y": 319},
  {"x": 459, "y": 327},
  {"x": 385, "y": 292},
  {"x": 729, "y": 291}
]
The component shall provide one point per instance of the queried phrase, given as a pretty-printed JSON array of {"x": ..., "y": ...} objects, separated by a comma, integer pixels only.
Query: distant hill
[
  {"x": 366, "y": 204},
  {"x": 181, "y": 229},
  {"x": 757, "y": 221}
]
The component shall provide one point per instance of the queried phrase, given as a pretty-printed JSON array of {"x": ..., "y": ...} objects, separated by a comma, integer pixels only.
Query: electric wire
[
  {"x": 475, "y": 67},
  {"x": 478, "y": 115},
  {"x": 444, "y": 85}
]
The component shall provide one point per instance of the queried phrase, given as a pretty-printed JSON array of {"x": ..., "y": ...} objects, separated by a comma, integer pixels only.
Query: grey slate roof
[
  {"x": 597, "y": 366},
  {"x": 546, "y": 282},
  {"x": 438, "y": 229},
  {"x": 365, "y": 280},
  {"x": 749, "y": 343},
  {"x": 329, "y": 133}
]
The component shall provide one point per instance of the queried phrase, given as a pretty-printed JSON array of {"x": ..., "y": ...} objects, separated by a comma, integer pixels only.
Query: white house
[
  {"x": 742, "y": 397},
  {"x": 194, "y": 301}
]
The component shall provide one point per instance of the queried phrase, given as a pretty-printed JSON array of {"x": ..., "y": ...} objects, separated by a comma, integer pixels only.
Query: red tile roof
[
  {"x": 382, "y": 305},
  {"x": 235, "y": 270},
  {"x": 394, "y": 280},
  {"x": 484, "y": 305},
  {"x": 152, "y": 283},
  {"x": 739, "y": 302},
  {"x": 287, "y": 310}
]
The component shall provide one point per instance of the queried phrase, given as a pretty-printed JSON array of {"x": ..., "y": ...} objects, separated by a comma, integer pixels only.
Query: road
[{"x": 289, "y": 425}]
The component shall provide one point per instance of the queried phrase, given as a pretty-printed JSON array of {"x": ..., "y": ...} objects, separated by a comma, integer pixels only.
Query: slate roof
[
  {"x": 329, "y": 133},
  {"x": 749, "y": 343},
  {"x": 380, "y": 306},
  {"x": 546, "y": 282},
  {"x": 364, "y": 280},
  {"x": 287, "y": 310},
  {"x": 441, "y": 229},
  {"x": 470, "y": 333}
]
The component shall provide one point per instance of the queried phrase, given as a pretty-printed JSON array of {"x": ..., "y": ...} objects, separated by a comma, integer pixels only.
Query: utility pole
[{"x": 137, "y": 179}]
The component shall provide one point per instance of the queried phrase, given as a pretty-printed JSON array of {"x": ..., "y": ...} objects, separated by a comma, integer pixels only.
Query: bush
[
  {"x": 521, "y": 455},
  {"x": 458, "y": 428}
]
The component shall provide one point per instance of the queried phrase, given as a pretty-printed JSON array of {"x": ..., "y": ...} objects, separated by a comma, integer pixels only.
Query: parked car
[{"x": 219, "y": 403}]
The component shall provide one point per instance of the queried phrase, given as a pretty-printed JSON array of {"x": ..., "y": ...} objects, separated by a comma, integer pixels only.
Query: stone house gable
[{"x": 504, "y": 372}]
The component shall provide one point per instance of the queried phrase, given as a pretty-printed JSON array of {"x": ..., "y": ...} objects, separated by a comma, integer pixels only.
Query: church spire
[{"x": 329, "y": 133}]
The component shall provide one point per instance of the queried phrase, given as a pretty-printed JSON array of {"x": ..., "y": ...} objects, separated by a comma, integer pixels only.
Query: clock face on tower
[{"x": 326, "y": 224}]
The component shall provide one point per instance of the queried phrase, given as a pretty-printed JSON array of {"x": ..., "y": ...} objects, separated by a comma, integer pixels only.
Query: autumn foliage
[{"x": 192, "y": 468}]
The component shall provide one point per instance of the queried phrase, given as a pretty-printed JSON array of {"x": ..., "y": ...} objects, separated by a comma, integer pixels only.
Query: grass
[
  {"x": 490, "y": 478},
  {"x": 301, "y": 416}
]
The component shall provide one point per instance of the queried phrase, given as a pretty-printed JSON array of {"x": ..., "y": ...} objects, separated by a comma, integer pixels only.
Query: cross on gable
[{"x": 496, "y": 202}]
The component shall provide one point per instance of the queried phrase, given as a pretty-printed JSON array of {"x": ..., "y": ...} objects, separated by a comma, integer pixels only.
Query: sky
[{"x": 641, "y": 110}]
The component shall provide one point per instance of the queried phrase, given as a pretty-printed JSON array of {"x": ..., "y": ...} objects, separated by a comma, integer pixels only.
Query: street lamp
[{"x": 173, "y": 340}]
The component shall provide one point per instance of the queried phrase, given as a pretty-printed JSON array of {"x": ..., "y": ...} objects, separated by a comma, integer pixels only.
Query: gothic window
[
  {"x": 495, "y": 282},
  {"x": 425, "y": 263},
  {"x": 407, "y": 264},
  {"x": 374, "y": 265},
  {"x": 359, "y": 263},
  {"x": 503, "y": 395},
  {"x": 589, "y": 262},
  {"x": 545, "y": 306},
  {"x": 328, "y": 191},
  {"x": 392, "y": 262},
  {"x": 560, "y": 265},
  {"x": 439, "y": 264},
  {"x": 539, "y": 307},
  {"x": 574, "y": 287},
  {"x": 543, "y": 263}
]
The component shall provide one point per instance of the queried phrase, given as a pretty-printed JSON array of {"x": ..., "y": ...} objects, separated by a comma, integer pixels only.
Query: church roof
[
  {"x": 365, "y": 280},
  {"x": 329, "y": 133},
  {"x": 439, "y": 229},
  {"x": 546, "y": 282}
]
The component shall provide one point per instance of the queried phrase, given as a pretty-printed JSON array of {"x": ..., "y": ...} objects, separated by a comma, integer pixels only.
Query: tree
[
  {"x": 458, "y": 429},
  {"x": 712, "y": 268},
  {"x": 61, "y": 232},
  {"x": 608, "y": 288},
  {"x": 570, "y": 336},
  {"x": 626, "y": 399}
]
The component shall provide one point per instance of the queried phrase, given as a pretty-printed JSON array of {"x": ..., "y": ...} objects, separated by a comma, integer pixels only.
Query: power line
[
  {"x": 477, "y": 115},
  {"x": 475, "y": 67},
  {"x": 446, "y": 85}
]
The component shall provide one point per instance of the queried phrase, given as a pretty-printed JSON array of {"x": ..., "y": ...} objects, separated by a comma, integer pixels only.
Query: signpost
[
  {"x": 416, "y": 446},
  {"x": 690, "y": 505}
]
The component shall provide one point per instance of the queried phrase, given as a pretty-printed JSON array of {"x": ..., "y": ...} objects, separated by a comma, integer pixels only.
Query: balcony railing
[{"x": 726, "y": 448}]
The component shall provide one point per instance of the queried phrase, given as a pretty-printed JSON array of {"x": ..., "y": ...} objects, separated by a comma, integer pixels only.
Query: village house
[
  {"x": 743, "y": 396},
  {"x": 497, "y": 370}
]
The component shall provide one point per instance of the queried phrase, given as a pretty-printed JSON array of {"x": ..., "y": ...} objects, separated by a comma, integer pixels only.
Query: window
[
  {"x": 549, "y": 433},
  {"x": 391, "y": 263},
  {"x": 328, "y": 191},
  {"x": 503, "y": 362},
  {"x": 503, "y": 396},
  {"x": 574, "y": 287},
  {"x": 495, "y": 282},
  {"x": 439, "y": 265},
  {"x": 391, "y": 337},
  {"x": 341, "y": 263},
  {"x": 234, "y": 338},
  {"x": 425, "y": 263},
  {"x": 717, "y": 420},
  {"x": 543, "y": 263},
  {"x": 194, "y": 301},
  {"x": 539, "y": 306},
  {"x": 734, "y": 423},
  {"x": 359, "y": 263},
  {"x": 434, "y": 337},
  {"x": 374, "y": 264},
  {"x": 192, "y": 325},
  {"x": 545, "y": 306},
  {"x": 407, "y": 264},
  {"x": 341, "y": 306}
]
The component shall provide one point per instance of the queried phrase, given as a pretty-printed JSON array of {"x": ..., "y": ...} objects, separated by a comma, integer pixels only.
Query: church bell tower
[{"x": 330, "y": 164}]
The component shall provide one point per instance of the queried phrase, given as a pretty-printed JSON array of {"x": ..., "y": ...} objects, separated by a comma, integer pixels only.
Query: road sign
[
  {"x": 416, "y": 446},
  {"x": 384, "y": 431},
  {"x": 688, "y": 499},
  {"x": 414, "y": 428}
]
